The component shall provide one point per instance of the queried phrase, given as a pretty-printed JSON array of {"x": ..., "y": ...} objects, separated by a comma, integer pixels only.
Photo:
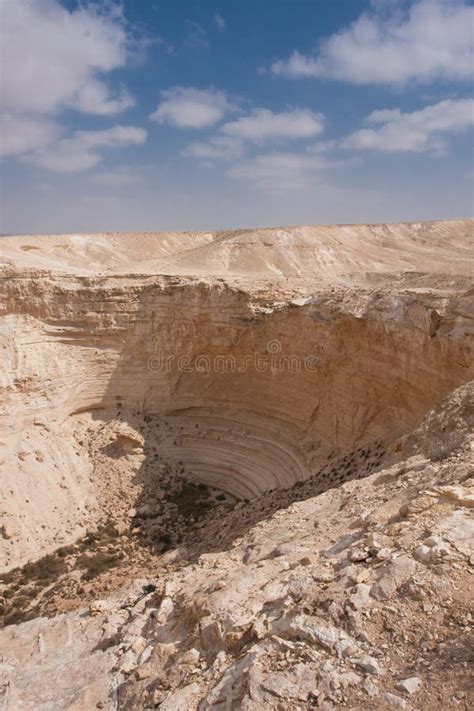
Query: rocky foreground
[
  {"x": 189, "y": 539},
  {"x": 357, "y": 598}
]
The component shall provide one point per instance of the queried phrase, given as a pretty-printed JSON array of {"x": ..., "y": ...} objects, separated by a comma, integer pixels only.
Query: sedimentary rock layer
[{"x": 257, "y": 356}]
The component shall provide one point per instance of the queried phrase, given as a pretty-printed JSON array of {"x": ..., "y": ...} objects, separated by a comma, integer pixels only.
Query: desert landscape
[
  {"x": 236, "y": 355},
  {"x": 238, "y": 469}
]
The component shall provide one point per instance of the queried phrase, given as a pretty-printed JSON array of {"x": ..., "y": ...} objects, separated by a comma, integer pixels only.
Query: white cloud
[
  {"x": 83, "y": 150},
  {"x": 52, "y": 58},
  {"x": 415, "y": 131},
  {"x": 218, "y": 147},
  {"x": 19, "y": 134},
  {"x": 220, "y": 22},
  {"x": 279, "y": 171},
  {"x": 263, "y": 124},
  {"x": 94, "y": 98},
  {"x": 187, "y": 107},
  {"x": 258, "y": 126},
  {"x": 432, "y": 40}
]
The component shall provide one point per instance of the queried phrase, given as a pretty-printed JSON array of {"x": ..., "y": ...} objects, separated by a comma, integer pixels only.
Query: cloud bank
[
  {"x": 433, "y": 39},
  {"x": 54, "y": 59},
  {"x": 416, "y": 131}
]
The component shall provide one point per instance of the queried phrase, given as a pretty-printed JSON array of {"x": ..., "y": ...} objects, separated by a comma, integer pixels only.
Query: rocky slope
[{"x": 237, "y": 469}]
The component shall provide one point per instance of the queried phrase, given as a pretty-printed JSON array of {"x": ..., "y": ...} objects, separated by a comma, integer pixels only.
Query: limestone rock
[
  {"x": 184, "y": 699},
  {"x": 361, "y": 596},
  {"x": 458, "y": 530},
  {"x": 369, "y": 687},
  {"x": 103, "y": 310},
  {"x": 369, "y": 665},
  {"x": 395, "y": 701},
  {"x": 392, "y": 576},
  {"x": 187, "y": 529},
  {"x": 296, "y": 683},
  {"x": 461, "y": 495},
  {"x": 410, "y": 684}
]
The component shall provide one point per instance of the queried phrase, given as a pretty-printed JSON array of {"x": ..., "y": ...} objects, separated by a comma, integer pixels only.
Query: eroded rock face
[
  {"x": 249, "y": 456},
  {"x": 257, "y": 357}
]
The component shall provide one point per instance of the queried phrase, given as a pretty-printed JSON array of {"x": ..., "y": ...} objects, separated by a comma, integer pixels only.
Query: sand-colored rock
[
  {"x": 271, "y": 630},
  {"x": 254, "y": 452},
  {"x": 263, "y": 354}
]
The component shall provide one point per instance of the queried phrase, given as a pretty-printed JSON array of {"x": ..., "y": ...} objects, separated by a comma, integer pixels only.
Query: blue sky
[{"x": 180, "y": 114}]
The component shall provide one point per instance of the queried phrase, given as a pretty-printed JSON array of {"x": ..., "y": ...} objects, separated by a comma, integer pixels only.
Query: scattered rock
[
  {"x": 392, "y": 576},
  {"x": 411, "y": 685},
  {"x": 369, "y": 687},
  {"x": 6, "y": 532},
  {"x": 360, "y": 598},
  {"x": 395, "y": 701},
  {"x": 461, "y": 495},
  {"x": 358, "y": 555},
  {"x": 369, "y": 665}
]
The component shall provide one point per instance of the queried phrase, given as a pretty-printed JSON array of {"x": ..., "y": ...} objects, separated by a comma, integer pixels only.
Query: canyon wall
[{"x": 256, "y": 357}]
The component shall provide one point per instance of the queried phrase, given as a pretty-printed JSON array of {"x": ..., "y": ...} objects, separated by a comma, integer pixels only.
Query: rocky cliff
[{"x": 255, "y": 448}]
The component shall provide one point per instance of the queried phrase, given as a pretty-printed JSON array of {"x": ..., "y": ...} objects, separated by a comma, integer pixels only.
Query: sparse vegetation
[
  {"x": 104, "y": 534},
  {"x": 65, "y": 551},
  {"x": 45, "y": 569},
  {"x": 7, "y": 578},
  {"x": 26, "y": 583},
  {"x": 28, "y": 587},
  {"x": 98, "y": 563}
]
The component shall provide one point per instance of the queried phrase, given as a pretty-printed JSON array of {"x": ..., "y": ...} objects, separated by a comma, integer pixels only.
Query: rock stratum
[{"x": 237, "y": 468}]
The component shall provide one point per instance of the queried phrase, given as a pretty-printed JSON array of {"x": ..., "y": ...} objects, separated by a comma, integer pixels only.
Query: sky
[{"x": 151, "y": 115}]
